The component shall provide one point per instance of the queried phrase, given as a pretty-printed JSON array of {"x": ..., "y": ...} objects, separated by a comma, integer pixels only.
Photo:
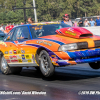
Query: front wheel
[
  {"x": 95, "y": 65},
  {"x": 8, "y": 70},
  {"x": 45, "y": 63}
]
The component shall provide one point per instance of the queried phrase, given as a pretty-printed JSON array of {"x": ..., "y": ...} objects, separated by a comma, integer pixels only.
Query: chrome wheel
[
  {"x": 44, "y": 63},
  {"x": 3, "y": 63}
]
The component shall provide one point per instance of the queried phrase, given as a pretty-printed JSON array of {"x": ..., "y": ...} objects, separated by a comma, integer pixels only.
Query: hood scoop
[{"x": 75, "y": 32}]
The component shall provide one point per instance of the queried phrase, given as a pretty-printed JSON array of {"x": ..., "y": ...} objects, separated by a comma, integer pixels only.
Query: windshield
[{"x": 46, "y": 29}]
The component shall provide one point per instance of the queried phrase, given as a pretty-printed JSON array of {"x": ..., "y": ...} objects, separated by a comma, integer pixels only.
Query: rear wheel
[
  {"x": 8, "y": 70},
  {"x": 95, "y": 65},
  {"x": 45, "y": 63}
]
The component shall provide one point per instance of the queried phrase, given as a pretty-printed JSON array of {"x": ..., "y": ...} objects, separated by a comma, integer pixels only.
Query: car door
[
  {"x": 10, "y": 49},
  {"x": 21, "y": 38}
]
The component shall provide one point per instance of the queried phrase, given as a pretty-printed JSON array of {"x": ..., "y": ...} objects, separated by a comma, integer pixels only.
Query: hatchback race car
[{"x": 48, "y": 45}]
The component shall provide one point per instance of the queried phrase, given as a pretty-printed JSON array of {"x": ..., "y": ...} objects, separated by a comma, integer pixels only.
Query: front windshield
[{"x": 46, "y": 29}]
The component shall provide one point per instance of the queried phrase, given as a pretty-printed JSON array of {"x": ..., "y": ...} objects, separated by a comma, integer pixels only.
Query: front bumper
[{"x": 76, "y": 57}]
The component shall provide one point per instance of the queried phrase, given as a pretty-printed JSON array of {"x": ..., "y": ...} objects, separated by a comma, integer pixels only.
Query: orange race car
[{"x": 46, "y": 46}]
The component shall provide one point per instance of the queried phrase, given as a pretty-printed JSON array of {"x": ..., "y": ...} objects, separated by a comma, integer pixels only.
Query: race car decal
[
  {"x": 19, "y": 51},
  {"x": 22, "y": 51},
  {"x": 23, "y": 56},
  {"x": 3, "y": 43},
  {"x": 24, "y": 60},
  {"x": 46, "y": 43},
  {"x": 6, "y": 52},
  {"x": 8, "y": 61},
  {"x": 15, "y": 51},
  {"x": 6, "y": 57},
  {"x": 20, "y": 60},
  {"x": 19, "y": 57},
  {"x": 29, "y": 60},
  {"x": 38, "y": 28},
  {"x": 10, "y": 52},
  {"x": 58, "y": 42},
  {"x": 14, "y": 61},
  {"x": 14, "y": 57},
  {"x": 70, "y": 33}
]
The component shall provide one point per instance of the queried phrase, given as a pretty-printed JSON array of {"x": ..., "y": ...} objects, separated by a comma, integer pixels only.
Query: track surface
[{"x": 65, "y": 84}]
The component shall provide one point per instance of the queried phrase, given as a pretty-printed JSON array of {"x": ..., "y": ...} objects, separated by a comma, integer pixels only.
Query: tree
[{"x": 48, "y": 10}]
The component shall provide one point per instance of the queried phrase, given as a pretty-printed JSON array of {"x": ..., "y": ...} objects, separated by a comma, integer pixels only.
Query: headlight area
[{"x": 73, "y": 46}]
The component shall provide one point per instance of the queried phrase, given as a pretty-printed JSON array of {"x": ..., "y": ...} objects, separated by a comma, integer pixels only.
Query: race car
[{"x": 48, "y": 45}]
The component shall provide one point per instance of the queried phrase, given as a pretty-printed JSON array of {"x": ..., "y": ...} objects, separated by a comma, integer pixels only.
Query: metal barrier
[{"x": 95, "y": 30}]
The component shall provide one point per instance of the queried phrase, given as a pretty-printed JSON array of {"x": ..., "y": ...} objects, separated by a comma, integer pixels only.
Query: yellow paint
[{"x": 70, "y": 33}]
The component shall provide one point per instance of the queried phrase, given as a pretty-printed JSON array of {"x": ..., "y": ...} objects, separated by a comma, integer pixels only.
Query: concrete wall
[{"x": 95, "y": 30}]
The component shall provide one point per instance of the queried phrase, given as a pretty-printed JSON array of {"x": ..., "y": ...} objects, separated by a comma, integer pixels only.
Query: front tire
[
  {"x": 45, "y": 63},
  {"x": 8, "y": 70},
  {"x": 95, "y": 65}
]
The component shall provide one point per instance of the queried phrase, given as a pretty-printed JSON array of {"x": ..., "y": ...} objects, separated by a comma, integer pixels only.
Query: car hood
[
  {"x": 67, "y": 40},
  {"x": 74, "y": 32}
]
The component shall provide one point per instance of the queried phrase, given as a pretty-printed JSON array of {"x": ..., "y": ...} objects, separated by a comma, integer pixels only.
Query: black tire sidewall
[
  {"x": 4, "y": 71},
  {"x": 51, "y": 67},
  {"x": 95, "y": 65}
]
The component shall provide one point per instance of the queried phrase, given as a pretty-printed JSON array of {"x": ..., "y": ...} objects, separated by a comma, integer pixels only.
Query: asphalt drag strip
[{"x": 78, "y": 82}]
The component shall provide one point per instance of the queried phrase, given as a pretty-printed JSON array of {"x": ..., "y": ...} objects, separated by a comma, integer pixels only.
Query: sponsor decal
[
  {"x": 24, "y": 60},
  {"x": 3, "y": 43},
  {"x": 8, "y": 61},
  {"x": 38, "y": 27},
  {"x": 6, "y": 52},
  {"x": 28, "y": 57},
  {"x": 54, "y": 59},
  {"x": 6, "y": 57},
  {"x": 19, "y": 57},
  {"x": 53, "y": 55},
  {"x": 22, "y": 51},
  {"x": 13, "y": 61},
  {"x": 70, "y": 33},
  {"x": 60, "y": 32},
  {"x": 19, "y": 51},
  {"x": 71, "y": 29},
  {"x": 29, "y": 60},
  {"x": 19, "y": 60},
  {"x": 23, "y": 56},
  {"x": 10, "y": 52},
  {"x": 15, "y": 52},
  {"x": 11, "y": 57},
  {"x": 43, "y": 42},
  {"x": 14, "y": 57},
  {"x": 47, "y": 23}
]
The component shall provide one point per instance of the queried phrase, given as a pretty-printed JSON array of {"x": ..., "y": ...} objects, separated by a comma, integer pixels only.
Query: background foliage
[{"x": 48, "y": 10}]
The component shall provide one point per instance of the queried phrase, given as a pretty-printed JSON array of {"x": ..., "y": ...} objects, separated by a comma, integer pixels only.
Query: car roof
[{"x": 41, "y": 23}]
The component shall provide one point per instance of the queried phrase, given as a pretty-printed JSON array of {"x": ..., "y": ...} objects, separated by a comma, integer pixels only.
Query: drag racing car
[{"x": 48, "y": 45}]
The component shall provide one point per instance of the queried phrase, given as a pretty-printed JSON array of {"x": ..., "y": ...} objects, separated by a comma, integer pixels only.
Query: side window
[
  {"x": 37, "y": 31},
  {"x": 21, "y": 33},
  {"x": 9, "y": 36}
]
